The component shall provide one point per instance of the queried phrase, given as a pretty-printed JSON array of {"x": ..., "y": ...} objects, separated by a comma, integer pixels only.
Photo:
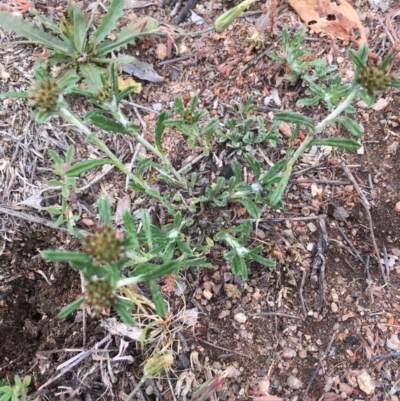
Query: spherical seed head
[
  {"x": 100, "y": 295},
  {"x": 104, "y": 94},
  {"x": 155, "y": 365},
  {"x": 44, "y": 94},
  {"x": 374, "y": 78},
  {"x": 105, "y": 245},
  {"x": 189, "y": 118}
]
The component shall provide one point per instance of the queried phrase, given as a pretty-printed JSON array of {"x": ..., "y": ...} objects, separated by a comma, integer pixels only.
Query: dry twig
[{"x": 367, "y": 206}]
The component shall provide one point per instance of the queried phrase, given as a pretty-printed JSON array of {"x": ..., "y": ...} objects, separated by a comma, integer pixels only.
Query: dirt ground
[{"x": 269, "y": 331}]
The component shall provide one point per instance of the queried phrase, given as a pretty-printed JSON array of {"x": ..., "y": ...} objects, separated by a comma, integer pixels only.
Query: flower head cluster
[
  {"x": 100, "y": 295},
  {"x": 105, "y": 245},
  {"x": 374, "y": 78},
  {"x": 44, "y": 94}
]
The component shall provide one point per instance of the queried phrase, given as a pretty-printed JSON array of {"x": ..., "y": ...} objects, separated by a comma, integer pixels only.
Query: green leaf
[
  {"x": 193, "y": 103},
  {"x": 349, "y": 144},
  {"x": 86, "y": 165},
  {"x": 285, "y": 39},
  {"x": 239, "y": 267},
  {"x": 159, "y": 302},
  {"x": 92, "y": 76},
  {"x": 108, "y": 22},
  {"x": 367, "y": 97},
  {"x": 70, "y": 154},
  {"x": 128, "y": 35},
  {"x": 14, "y": 95},
  {"x": 149, "y": 271},
  {"x": 97, "y": 118},
  {"x": 55, "y": 183},
  {"x": 79, "y": 28},
  {"x": 308, "y": 102},
  {"x": 280, "y": 189},
  {"x": 262, "y": 260},
  {"x": 17, "y": 381},
  {"x": 273, "y": 172},
  {"x": 251, "y": 207},
  {"x": 394, "y": 83},
  {"x": 65, "y": 192},
  {"x": 29, "y": 30},
  {"x": 295, "y": 118},
  {"x": 27, "y": 381},
  {"x": 65, "y": 256},
  {"x": 142, "y": 165},
  {"x": 254, "y": 164},
  {"x": 209, "y": 130},
  {"x": 159, "y": 129},
  {"x": 104, "y": 207},
  {"x": 65, "y": 312},
  {"x": 122, "y": 311},
  {"x": 354, "y": 128},
  {"x": 356, "y": 58},
  {"x": 53, "y": 210}
]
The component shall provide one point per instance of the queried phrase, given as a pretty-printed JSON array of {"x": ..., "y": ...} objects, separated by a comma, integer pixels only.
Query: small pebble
[
  {"x": 240, "y": 317},
  {"x": 303, "y": 354},
  {"x": 343, "y": 387},
  {"x": 223, "y": 314},
  {"x": 397, "y": 207},
  {"x": 288, "y": 353},
  {"x": 312, "y": 227},
  {"x": 294, "y": 383},
  {"x": 207, "y": 294},
  {"x": 256, "y": 295},
  {"x": 365, "y": 382},
  {"x": 231, "y": 371},
  {"x": 334, "y": 307},
  {"x": 149, "y": 390}
]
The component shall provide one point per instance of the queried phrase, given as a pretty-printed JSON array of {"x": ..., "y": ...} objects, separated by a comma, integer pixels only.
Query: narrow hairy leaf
[
  {"x": 128, "y": 35},
  {"x": 123, "y": 313},
  {"x": 159, "y": 129},
  {"x": 65, "y": 256},
  {"x": 105, "y": 123},
  {"x": 354, "y": 128},
  {"x": 280, "y": 189},
  {"x": 29, "y": 30},
  {"x": 295, "y": 118},
  {"x": 92, "y": 76},
  {"x": 15, "y": 95},
  {"x": 79, "y": 28},
  {"x": 251, "y": 207},
  {"x": 349, "y": 144},
  {"x": 86, "y": 165},
  {"x": 159, "y": 302},
  {"x": 103, "y": 204},
  {"x": 65, "y": 312},
  {"x": 108, "y": 22}
]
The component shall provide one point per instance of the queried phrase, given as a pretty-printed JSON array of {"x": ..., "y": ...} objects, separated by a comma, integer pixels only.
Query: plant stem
[
  {"x": 91, "y": 137},
  {"x": 320, "y": 127},
  {"x": 136, "y": 389},
  {"x": 119, "y": 116}
]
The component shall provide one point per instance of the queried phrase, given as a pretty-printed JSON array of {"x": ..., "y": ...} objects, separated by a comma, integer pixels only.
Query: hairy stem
[
  {"x": 320, "y": 127},
  {"x": 91, "y": 137},
  {"x": 120, "y": 117}
]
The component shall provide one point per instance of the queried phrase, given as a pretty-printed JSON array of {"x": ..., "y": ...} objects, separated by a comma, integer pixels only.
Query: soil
[{"x": 255, "y": 330}]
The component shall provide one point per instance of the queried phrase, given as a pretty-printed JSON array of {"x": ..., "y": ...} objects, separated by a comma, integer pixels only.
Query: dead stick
[
  {"x": 301, "y": 289},
  {"x": 366, "y": 205},
  {"x": 279, "y": 314},
  {"x": 318, "y": 366},
  {"x": 350, "y": 244},
  {"x": 222, "y": 348},
  {"x": 356, "y": 186}
]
